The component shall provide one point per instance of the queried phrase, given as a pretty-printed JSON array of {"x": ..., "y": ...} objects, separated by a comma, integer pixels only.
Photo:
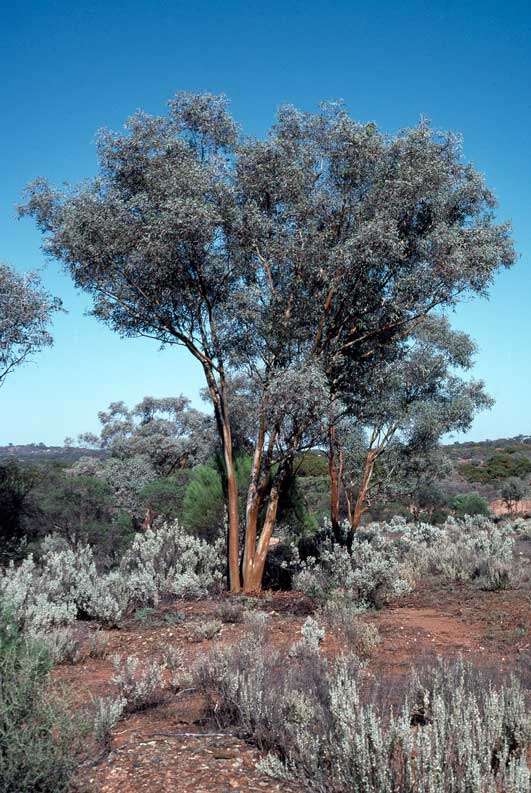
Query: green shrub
[
  {"x": 203, "y": 504},
  {"x": 470, "y": 504},
  {"x": 41, "y": 738},
  {"x": 500, "y": 465}
]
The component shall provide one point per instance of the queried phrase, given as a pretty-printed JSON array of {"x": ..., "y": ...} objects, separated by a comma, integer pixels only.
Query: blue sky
[{"x": 71, "y": 68}]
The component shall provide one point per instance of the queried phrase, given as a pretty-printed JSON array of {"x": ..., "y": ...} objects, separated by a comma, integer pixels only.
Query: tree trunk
[
  {"x": 233, "y": 539},
  {"x": 334, "y": 479},
  {"x": 254, "y": 502},
  {"x": 253, "y": 572},
  {"x": 217, "y": 394},
  {"x": 361, "y": 506}
]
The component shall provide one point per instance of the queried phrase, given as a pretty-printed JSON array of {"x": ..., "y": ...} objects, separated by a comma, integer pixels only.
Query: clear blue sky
[{"x": 69, "y": 68}]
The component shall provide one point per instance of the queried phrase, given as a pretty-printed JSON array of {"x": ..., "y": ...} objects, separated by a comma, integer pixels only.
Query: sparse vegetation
[
  {"x": 41, "y": 738},
  {"x": 202, "y": 631},
  {"x": 454, "y": 733}
]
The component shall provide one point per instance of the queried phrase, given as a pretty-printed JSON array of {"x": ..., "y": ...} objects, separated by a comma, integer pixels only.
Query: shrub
[
  {"x": 369, "y": 571},
  {"x": 456, "y": 732},
  {"x": 41, "y": 738},
  {"x": 173, "y": 659},
  {"x": 230, "y": 611},
  {"x": 107, "y": 713},
  {"x": 342, "y": 617},
  {"x": 97, "y": 645},
  {"x": 201, "y": 631},
  {"x": 470, "y": 504},
  {"x": 63, "y": 646},
  {"x": 139, "y": 685},
  {"x": 65, "y": 583},
  {"x": 168, "y": 561},
  {"x": 385, "y": 560}
]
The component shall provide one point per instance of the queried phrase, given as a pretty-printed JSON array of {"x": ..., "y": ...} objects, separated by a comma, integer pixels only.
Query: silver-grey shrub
[
  {"x": 385, "y": 560},
  {"x": 455, "y": 733},
  {"x": 370, "y": 571},
  {"x": 107, "y": 713},
  {"x": 343, "y": 618},
  {"x": 65, "y": 582},
  {"x": 169, "y": 561},
  {"x": 140, "y": 685}
]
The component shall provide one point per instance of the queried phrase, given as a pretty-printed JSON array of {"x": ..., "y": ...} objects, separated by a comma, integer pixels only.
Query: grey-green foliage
[
  {"x": 455, "y": 733},
  {"x": 107, "y": 713},
  {"x": 165, "y": 431},
  {"x": 301, "y": 259},
  {"x": 66, "y": 583},
  {"x": 370, "y": 571},
  {"x": 41, "y": 736},
  {"x": 26, "y": 310},
  {"x": 513, "y": 491},
  {"x": 140, "y": 685},
  {"x": 385, "y": 560},
  {"x": 407, "y": 407}
]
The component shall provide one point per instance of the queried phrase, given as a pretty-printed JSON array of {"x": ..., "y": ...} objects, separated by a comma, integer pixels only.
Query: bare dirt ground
[{"x": 173, "y": 748}]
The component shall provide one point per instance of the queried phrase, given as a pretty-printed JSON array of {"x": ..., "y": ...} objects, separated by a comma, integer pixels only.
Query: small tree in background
[
  {"x": 167, "y": 432},
  {"x": 513, "y": 491},
  {"x": 26, "y": 310},
  {"x": 470, "y": 504},
  {"x": 411, "y": 403},
  {"x": 301, "y": 261},
  {"x": 17, "y": 484}
]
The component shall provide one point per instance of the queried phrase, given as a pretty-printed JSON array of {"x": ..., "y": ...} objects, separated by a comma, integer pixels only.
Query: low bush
[
  {"x": 384, "y": 561},
  {"x": 230, "y": 611},
  {"x": 343, "y": 618},
  {"x": 369, "y": 570},
  {"x": 64, "y": 646},
  {"x": 41, "y": 738},
  {"x": 97, "y": 646},
  {"x": 65, "y": 583},
  {"x": 140, "y": 685},
  {"x": 201, "y": 631},
  {"x": 107, "y": 713},
  {"x": 455, "y": 732}
]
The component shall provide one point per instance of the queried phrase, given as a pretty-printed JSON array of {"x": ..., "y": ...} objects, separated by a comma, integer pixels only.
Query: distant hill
[
  {"x": 483, "y": 466},
  {"x": 40, "y": 453}
]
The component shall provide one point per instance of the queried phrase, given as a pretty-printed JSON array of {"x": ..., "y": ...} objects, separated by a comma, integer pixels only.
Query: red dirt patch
[{"x": 171, "y": 748}]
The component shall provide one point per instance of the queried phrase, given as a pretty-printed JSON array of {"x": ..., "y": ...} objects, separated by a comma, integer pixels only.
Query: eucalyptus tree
[
  {"x": 149, "y": 442},
  {"x": 512, "y": 492},
  {"x": 26, "y": 310},
  {"x": 416, "y": 399},
  {"x": 166, "y": 431},
  {"x": 297, "y": 260}
]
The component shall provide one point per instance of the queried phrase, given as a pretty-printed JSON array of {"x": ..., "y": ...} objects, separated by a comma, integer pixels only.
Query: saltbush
[
  {"x": 65, "y": 583},
  {"x": 456, "y": 732},
  {"x": 384, "y": 561},
  {"x": 140, "y": 685},
  {"x": 41, "y": 738}
]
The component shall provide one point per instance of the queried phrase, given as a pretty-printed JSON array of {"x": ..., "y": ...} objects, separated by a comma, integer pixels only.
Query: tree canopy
[
  {"x": 26, "y": 310},
  {"x": 302, "y": 261}
]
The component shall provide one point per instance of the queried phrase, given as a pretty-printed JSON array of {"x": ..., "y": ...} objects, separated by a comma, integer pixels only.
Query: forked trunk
[
  {"x": 361, "y": 501},
  {"x": 217, "y": 394},
  {"x": 253, "y": 571}
]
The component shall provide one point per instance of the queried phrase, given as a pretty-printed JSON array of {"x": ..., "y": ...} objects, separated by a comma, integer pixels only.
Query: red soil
[{"x": 171, "y": 748}]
